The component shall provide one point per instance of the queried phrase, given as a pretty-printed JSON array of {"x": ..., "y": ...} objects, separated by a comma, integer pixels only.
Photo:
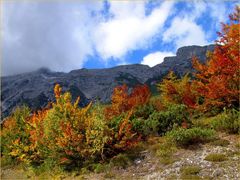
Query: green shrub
[
  {"x": 167, "y": 160},
  {"x": 127, "y": 158},
  {"x": 143, "y": 111},
  {"x": 190, "y": 170},
  {"x": 139, "y": 126},
  {"x": 163, "y": 121},
  {"x": 163, "y": 149},
  {"x": 121, "y": 161},
  {"x": 203, "y": 122},
  {"x": 184, "y": 137},
  {"x": 49, "y": 166},
  {"x": 7, "y": 161},
  {"x": 100, "y": 168},
  {"x": 166, "y": 149},
  {"x": 95, "y": 167},
  {"x": 220, "y": 142},
  {"x": 215, "y": 157},
  {"x": 228, "y": 121},
  {"x": 115, "y": 122},
  {"x": 139, "y": 118}
]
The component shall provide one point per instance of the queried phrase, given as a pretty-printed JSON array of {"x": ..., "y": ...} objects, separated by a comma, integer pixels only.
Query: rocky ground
[
  {"x": 151, "y": 168},
  {"x": 187, "y": 163},
  {"x": 226, "y": 169}
]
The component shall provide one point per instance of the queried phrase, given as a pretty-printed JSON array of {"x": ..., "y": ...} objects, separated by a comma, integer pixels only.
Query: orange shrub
[
  {"x": 64, "y": 129},
  {"x": 139, "y": 96},
  {"x": 178, "y": 91},
  {"x": 122, "y": 101},
  {"x": 123, "y": 137},
  {"x": 67, "y": 134}
]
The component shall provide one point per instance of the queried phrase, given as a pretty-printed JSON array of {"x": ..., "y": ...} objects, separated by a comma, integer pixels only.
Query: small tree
[{"x": 218, "y": 80}]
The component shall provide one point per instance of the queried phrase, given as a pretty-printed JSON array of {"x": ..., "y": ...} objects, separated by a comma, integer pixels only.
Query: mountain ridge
[{"x": 36, "y": 88}]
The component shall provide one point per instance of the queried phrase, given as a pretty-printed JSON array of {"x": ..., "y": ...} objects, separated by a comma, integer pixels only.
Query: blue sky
[{"x": 71, "y": 35}]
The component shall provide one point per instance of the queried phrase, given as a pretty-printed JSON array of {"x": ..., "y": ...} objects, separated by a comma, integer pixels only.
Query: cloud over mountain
[{"x": 65, "y": 35}]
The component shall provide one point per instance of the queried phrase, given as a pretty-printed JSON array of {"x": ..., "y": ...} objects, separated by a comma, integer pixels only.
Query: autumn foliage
[
  {"x": 124, "y": 136},
  {"x": 123, "y": 101},
  {"x": 67, "y": 134},
  {"x": 178, "y": 91},
  {"x": 216, "y": 83},
  {"x": 60, "y": 133},
  {"x": 218, "y": 80}
]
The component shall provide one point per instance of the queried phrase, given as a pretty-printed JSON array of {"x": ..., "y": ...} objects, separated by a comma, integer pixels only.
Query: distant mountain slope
[{"x": 36, "y": 88}]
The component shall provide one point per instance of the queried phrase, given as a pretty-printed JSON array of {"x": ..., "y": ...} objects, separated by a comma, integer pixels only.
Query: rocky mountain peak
[
  {"x": 36, "y": 88},
  {"x": 43, "y": 70}
]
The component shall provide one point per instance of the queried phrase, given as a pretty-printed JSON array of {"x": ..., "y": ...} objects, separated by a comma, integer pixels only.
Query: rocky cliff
[{"x": 36, "y": 88}]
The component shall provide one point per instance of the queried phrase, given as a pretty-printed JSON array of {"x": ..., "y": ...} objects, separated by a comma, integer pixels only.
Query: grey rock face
[
  {"x": 182, "y": 62},
  {"x": 36, "y": 88}
]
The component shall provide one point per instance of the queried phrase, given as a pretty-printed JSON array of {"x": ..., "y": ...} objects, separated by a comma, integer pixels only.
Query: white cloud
[
  {"x": 55, "y": 35},
  {"x": 61, "y": 35},
  {"x": 129, "y": 29},
  {"x": 156, "y": 58},
  {"x": 185, "y": 28},
  {"x": 183, "y": 32},
  {"x": 218, "y": 11}
]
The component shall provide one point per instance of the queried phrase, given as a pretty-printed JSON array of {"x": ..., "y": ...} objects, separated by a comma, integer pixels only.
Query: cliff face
[
  {"x": 36, "y": 88},
  {"x": 182, "y": 62}
]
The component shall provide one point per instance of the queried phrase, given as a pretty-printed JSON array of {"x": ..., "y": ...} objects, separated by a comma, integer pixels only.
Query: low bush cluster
[
  {"x": 163, "y": 121},
  {"x": 190, "y": 170},
  {"x": 228, "y": 121},
  {"x": 220, "y": 142},
  {"x": 216, "y": 157},
  {"x": 148, "y": 121},
  {"x": 65, "y": 134},
  {"x": 184, "y": 137}
]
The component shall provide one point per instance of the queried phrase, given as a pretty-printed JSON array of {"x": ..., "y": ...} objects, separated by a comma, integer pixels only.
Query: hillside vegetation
[{"x": 203, "y": 109}]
